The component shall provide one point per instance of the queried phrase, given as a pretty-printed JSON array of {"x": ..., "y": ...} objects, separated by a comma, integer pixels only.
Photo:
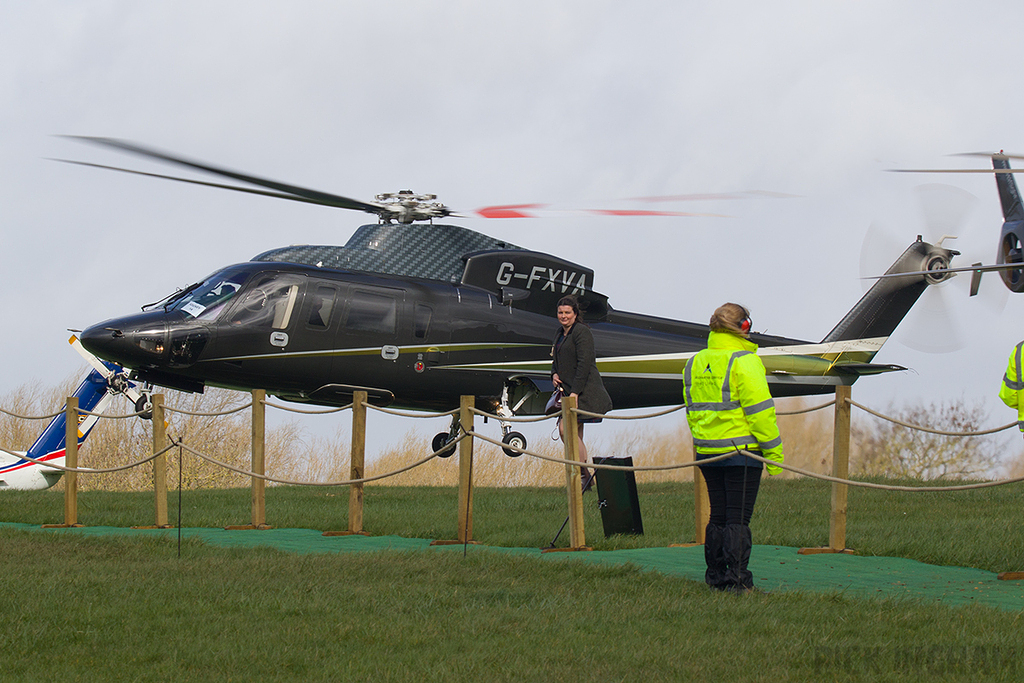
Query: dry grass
[{"x": 292, "y": 454}]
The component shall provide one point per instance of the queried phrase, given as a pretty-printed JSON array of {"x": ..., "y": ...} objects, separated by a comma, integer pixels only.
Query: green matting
[{"x": 775, "y": 568}]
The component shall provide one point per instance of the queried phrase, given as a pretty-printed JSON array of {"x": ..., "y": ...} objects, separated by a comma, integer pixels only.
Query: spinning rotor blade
[
  {"x": 538, "y": 210},
  {"x": 983, "y": 155},
  {"x": 945, "y": 209},
  {"x": 746, "y": 194},
  {"x": 404, "y": 206},
  {"x": 287, "y": 191},
  {"x": 221, "y": 186},
  {"x": 989, "y": 155},
  {"x": 931, "y": 326}
]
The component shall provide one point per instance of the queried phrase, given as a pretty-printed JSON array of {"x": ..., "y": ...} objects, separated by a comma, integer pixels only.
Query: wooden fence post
[
  {"x": 466, "y": 404},
  {"x": 71, "y": 460},
  {"x": 259, "y": 464},
  {"x": 573, "y": 480},
  {"x": 701, "y": 505},
  {"x": 357, "y": 462},
  {"x": 840, "y": 469},
  {"x": 160, "y": 462}
]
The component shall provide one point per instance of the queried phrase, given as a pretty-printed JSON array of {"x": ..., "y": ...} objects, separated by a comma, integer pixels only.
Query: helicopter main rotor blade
[
  {"x": 988, "y": 155},
  {"x": 957, "y": 170},
  {"x": 312, "y": 196},
  {"x": 537, "y": 210},
  {"x": 250, "y": 190}
]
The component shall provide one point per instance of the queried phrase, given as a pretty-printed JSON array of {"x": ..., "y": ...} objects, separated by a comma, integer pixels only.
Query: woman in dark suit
[{"x": 574, "y": 368}]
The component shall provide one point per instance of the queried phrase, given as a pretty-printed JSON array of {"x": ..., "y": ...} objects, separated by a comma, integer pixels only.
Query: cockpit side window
[{"x": 268, "y": 302}]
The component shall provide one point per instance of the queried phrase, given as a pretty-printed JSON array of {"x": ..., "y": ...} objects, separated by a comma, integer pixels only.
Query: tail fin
[
  {"x": 1011, "y": 237},
  {"x": 94, "y": 394},
  {"x": 889, "y": 300}
]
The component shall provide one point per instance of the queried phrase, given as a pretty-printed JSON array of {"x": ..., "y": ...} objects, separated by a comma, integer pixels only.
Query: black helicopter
[{"x": 417, "y": 314}]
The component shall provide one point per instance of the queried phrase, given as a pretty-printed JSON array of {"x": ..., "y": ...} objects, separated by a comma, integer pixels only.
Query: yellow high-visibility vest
[
  {"x": 1013, "y": 384},
  {"x": 728, "y": 405}
]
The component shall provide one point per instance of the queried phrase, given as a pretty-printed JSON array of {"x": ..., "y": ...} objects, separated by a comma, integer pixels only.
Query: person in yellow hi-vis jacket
[
  {"x": 1013, "y": 385},
  {"x": 729, "y": 408}
]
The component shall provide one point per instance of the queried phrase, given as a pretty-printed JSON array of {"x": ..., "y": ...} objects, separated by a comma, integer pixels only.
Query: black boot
[
  {"x": 714, "y": 556},
  {"x": 737, "y": 546}
]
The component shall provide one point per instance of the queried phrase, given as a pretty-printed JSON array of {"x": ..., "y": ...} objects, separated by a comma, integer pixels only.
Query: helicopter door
[
  {"x": 368, "y": 340},
  {"x": 260, "y": 334}
]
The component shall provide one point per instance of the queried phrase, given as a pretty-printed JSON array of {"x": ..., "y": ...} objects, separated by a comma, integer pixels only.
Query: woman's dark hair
[{"x": 572, "y": 303}]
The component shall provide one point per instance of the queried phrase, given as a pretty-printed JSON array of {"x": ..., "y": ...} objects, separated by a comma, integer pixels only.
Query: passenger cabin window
[
  {"x": 322, "y": 304},
  {"x": 370, "y": 312},
  {"x": 269, "y": 302},
  {"x": 422, "y": 321}
]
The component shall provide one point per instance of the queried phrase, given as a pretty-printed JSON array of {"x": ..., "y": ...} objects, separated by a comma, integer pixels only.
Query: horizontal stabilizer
[{"x": 859, "y": 369}]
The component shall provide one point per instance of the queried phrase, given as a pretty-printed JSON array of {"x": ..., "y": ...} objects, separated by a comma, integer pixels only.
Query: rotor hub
[
  {"x": 937, "y": 260},
  {"x": 407, "y": 207}
]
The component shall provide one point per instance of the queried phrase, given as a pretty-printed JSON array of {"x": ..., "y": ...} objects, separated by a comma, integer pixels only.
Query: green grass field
[{"x": 131, "y": 609}]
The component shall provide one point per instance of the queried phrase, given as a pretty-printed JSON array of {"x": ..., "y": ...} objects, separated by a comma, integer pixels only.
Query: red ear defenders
[{"x": 745, "y": 324}]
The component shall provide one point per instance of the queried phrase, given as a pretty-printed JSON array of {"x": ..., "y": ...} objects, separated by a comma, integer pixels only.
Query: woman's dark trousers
[{"x": 732, "y": 491}]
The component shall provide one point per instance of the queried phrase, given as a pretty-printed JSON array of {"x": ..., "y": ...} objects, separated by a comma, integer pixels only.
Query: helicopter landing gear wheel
[
  {"x": 144, "y": 407},
  {"x": 438, "y": 445},
  {"x": 516, "y": 440}
]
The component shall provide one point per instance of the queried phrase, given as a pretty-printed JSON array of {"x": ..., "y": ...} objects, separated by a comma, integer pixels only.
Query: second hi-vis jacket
[
  {"x": 1013, "y": 385},
  {"x": 728, "y": 405}
]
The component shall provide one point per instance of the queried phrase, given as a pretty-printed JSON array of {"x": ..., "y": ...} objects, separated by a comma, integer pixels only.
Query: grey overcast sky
[{"x": 581, "y": 104}]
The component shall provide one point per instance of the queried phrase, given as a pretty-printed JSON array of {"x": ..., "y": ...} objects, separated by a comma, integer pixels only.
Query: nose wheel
[{"x": 514, "y": 439}]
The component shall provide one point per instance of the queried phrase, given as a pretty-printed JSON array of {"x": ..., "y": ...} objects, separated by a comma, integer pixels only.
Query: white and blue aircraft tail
[{"x": 94, "y": 394}]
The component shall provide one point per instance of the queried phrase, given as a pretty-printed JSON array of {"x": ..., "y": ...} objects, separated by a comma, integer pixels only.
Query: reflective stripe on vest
[
  {"x": 1018, "y": 383},
  {"x": 727, "y": 403}
]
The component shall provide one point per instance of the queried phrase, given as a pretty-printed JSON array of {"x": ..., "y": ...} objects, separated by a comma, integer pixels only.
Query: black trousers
[{"x": 732, "y": 491}]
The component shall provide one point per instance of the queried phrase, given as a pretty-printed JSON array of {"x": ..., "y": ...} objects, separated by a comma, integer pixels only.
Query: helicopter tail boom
[{"x": 884, "y": 306}]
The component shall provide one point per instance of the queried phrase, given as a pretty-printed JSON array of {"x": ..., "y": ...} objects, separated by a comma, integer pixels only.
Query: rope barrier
[
  {"x": 32, "y": 417},
  {"x": 928, "y": 429},
  {"x": 791, "y": 468},
  {"x": 883, "y": 487},
  {"x": 229, "y": 411},
  {"x": 596, "y": 466},
  {"x": 88, "y": 470},
  {"x": 303, "y": 411},
  {"x": 805, "y": 410},
  {"x": 540, "y": 456},
  {"x": 406, "y": 413},
  {"x": 585, "y": 413},
  {"x": 512, "y": 418},
  {"x": 347, "y": 482}
]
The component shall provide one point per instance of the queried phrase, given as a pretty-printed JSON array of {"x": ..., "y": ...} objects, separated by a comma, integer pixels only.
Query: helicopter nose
[{"x": 126, "y": 342}]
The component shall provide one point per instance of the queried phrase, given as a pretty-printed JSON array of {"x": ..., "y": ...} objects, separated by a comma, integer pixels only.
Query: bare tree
[{"x": 883, "y": 448}]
